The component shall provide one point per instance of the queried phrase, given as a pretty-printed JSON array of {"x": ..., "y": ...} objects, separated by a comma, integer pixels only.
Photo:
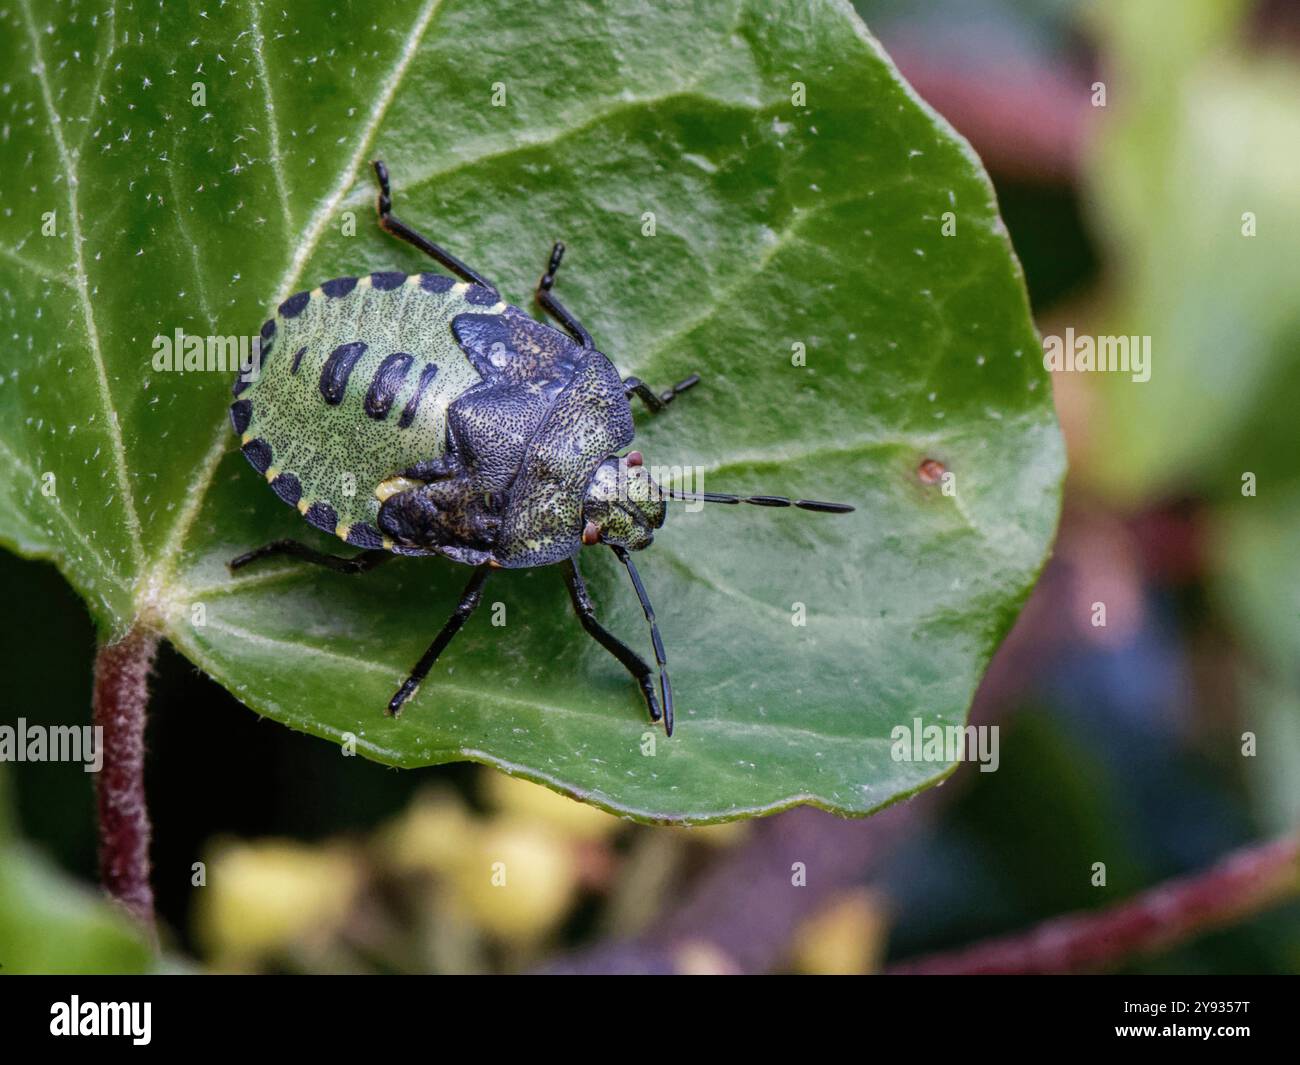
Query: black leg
[
  {"x": 469, "y": 601},
  {"x": 633, "y": 662},
  {"x": 635, "y": 386},
  {"x": 546, "y": 299},
  {"x": 361, "y": 563},
  {"x": 660, "y": 656},
  {"x": 390, "y": 223}
]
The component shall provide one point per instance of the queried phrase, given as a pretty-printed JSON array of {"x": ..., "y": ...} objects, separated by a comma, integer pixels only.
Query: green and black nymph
[{"x": 421, "y": 414}]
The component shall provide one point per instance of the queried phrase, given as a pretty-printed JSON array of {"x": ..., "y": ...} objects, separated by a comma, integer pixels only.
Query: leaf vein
[
  {"x": 729, "y": 291},
  {"x": 102, "y": 69},
  {"x": 268, "y": 98},
  {"x": 67, "y": 518},
  {"x": 21, "y": 261},
  {"x": 83, "y": 290}
]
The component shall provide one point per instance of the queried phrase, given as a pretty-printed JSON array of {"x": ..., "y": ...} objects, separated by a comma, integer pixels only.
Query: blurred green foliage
[
  {"x": 1194, "y": 179},
  {"x": 51, "y": 924}
]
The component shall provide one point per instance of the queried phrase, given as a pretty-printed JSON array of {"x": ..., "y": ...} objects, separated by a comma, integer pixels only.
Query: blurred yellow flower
[
  {"x": 268, "y": 894},
  {"x": 843, "y": 939},
  {"x": 430, "y": 835},
  {"x": 516, "y": 879}
]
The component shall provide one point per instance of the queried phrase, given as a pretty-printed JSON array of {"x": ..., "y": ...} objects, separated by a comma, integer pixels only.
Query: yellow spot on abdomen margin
[
  {"x": 304, "y": 505},
  {"x": 341, "y": 530},
  {"x": 394, "y": 485},
  {"x": 460, "y": 288},
  {"x": 272, "y": 472}
]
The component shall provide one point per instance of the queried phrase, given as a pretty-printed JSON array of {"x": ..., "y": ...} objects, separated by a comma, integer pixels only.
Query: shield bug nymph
[{"x": 464, "y": 428}]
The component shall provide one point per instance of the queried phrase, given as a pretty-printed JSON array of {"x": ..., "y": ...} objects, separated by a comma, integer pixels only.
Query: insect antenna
[
  {"x": 761, "y": 501},
  {"x": 665, "y": 687}
]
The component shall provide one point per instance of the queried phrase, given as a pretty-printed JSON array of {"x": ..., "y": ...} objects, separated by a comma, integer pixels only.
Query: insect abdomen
[{"x": 354, "y": 385}]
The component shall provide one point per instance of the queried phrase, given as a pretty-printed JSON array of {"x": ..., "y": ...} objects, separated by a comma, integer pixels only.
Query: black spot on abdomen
[
  {"x": 337, "y": 369},
  {"x": 385, "y": 384},
  {"x": 264, "y": 346},
  {"x": 436, "y": 282},
  {"x": 323, "y": 516},
  {"x": 427, "y": 375},
  {"x": 258, "y": 453},
  {"x": 340, "y": 286},
  {"x": 481, "y": 296},
  {"x": 387, "y": 280},
  {"x": 248, "y": 375},
  {"x": 288, "y": 488},
  {"x": 297, "y": 359},
  {"x": 293, "y": 306},
  {"x": 363, "y": 535},
  {"x": 241, "y": 412}
]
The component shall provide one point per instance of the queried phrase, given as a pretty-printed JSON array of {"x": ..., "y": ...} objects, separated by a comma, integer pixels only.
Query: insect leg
[
  {"x": 660, "y": 655},
  {"x": 546, "y": 299},
  {"x": 655, "y": 403},
  {"x": 469, "y": 600},
  {"x": 361, "y": 563},
  {"x": 390, "y": 223},
  {"x": 633, "y": 662}
]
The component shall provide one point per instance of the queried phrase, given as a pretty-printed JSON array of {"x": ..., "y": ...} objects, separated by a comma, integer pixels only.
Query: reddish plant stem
[
  {"x": 120, "y": 703},
  {"x": 1247, "y": 881}
]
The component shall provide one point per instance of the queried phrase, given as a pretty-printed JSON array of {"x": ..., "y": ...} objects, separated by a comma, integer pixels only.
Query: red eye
[
  {"x": 634, "y": 458},
  {"x": 591, "y": 533}
]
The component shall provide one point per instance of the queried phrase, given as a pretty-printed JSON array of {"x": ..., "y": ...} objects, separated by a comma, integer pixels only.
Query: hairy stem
[
  {"x": 120, "y": 703},
  {"x": 1247, "y": 881}
]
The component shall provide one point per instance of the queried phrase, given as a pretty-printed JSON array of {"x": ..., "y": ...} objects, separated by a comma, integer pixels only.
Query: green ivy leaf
[
  {"x": 776, "y": 225},
  {"x": 1257, "y": 579}
]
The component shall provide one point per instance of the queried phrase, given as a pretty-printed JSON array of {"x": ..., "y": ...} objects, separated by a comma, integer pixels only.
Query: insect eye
[{"x": 591, "y": 533}]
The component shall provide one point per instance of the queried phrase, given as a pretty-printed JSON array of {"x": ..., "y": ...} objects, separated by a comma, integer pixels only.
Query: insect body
[{"x": 420, "y": 414}]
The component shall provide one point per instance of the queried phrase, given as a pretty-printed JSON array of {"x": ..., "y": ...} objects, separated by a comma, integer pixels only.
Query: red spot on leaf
[{"x": 930, "y": 471}]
